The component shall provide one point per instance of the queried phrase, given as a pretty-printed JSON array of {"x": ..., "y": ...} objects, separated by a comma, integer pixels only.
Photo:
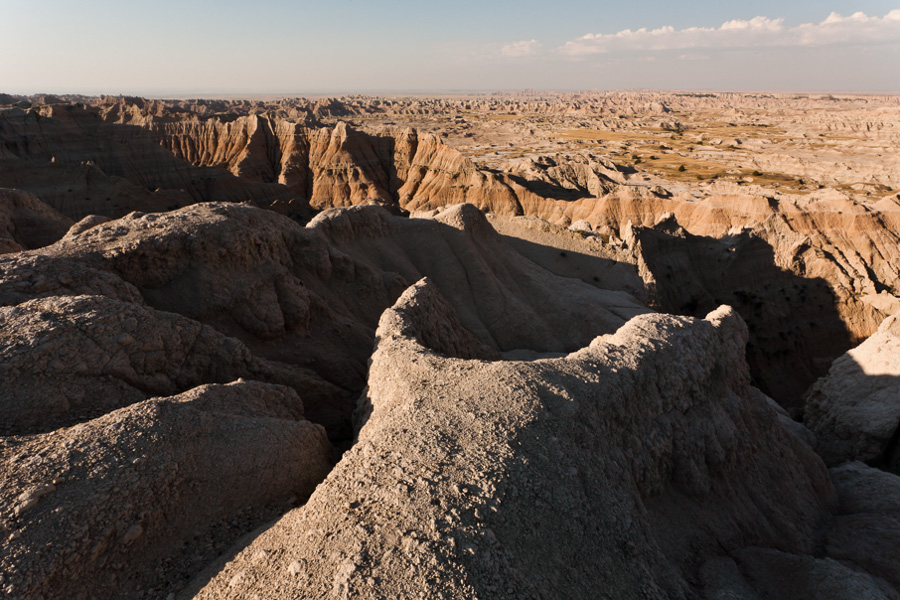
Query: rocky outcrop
[
  {"x": 849, "y": 245},
  {"x": 422, "y": 302},
  {"x": 587, "y": 473},
  {"x": 865, "y": 489},
  {"x": 569, "y": 178},
  {"x": 864, "y": 536},
  {"x": 131, "y": 503},
  {"x": 855, "y": 410},
  {"x": 83, "y": 160},
  {"x": 797, "y": 325},
  {"x": 304, "y": 301},
  {"x": 493, "y": 288},
  {"x": 836, "y": 244},
  {"x": 252, "y": 275},
  {"x": 28, "y": 276},
  {"x": 162, "y": 160},
  {"x": 27, "y": 223},
  {"x": 767, "y": 574},
  {"x": 66, "y": 359},
  {"x": 521, "y": 429}
]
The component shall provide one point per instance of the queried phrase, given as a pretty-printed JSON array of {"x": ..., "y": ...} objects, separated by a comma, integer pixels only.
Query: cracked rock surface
[{"x": 619, "y": 467}]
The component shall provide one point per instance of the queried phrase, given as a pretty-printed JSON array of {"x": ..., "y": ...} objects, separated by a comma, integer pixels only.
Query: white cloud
[
  {"x": 858, "y": 28},
  {"x": 523, "y": 48}
]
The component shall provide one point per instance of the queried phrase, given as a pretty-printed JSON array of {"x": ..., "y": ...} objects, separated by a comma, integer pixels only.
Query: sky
[{"x": 278, "y": 47}]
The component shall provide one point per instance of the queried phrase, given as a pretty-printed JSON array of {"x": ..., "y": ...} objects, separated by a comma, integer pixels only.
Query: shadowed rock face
[
  {"x": 67, "y": 359},
  {"x": 303, "y": 302},
  {"x": 27, "y": 223},
  {"x": 797, "y": 325},
  {"x": 855, "y": 410},
  {"x": 584, "y": 473},
  {"x": 83, "y": 160},
  {"x": 640, "y": 463},
  {"x": 142, "y": 496},
  {"x": 112, "y": 156},
  {"x": 494, "y": 289}
]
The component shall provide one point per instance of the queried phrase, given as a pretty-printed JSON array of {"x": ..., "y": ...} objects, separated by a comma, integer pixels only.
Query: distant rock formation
[
  {"x": 147, "y": 158},
  {"x": 465, "y": 324},
  {"x": 82, "y": 161},
  {"x": 108, "y": 156}
]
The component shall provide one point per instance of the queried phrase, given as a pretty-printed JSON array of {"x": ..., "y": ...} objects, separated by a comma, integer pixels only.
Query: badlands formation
[{"x": 533, "y": 345}]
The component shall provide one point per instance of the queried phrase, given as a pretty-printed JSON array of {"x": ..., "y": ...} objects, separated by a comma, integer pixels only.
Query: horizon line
[{"x": 386, "y": 92}]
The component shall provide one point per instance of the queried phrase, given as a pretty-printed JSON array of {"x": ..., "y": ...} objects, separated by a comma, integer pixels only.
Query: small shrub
[{"x": 682, "y": 169}]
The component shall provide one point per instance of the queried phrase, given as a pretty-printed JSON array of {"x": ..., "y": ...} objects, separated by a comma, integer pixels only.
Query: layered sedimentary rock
[
  {"x": 79, "y": 162},
  {"x": 587, "y": 473},
  {"x": 843, "y": 252},
  {"x": 641, "y": 463},
  {"x": 798, "y": 324},
  {"x": 133, "y": 150},
  {"x": 113, "y": 155}
]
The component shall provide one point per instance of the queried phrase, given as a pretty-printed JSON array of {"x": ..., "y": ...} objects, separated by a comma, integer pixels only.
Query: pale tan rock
[
  {"x": 309, "y": 298},
  {"x": 476, "y": 478}
]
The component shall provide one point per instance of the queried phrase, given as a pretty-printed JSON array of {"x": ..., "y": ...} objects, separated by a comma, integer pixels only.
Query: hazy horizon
[
  {"x": 276, "y": 48},
  {"x": 434, "y": 93}
]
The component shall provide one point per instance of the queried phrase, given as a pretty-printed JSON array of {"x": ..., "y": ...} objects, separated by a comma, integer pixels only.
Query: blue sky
[{"x": 280, "y": 47}]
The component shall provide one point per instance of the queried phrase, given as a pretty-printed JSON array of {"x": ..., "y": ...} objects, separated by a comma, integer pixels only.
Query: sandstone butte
[{"x": 535, "y": 345}]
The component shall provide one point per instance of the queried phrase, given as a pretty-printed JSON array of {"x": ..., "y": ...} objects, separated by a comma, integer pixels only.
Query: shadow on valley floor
[
  {"x": 796, "y": 330},
  {"x": 598, "y": 271},
  {"x": 550, "y": 191},
  {"x": 795, "y": 327}
]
